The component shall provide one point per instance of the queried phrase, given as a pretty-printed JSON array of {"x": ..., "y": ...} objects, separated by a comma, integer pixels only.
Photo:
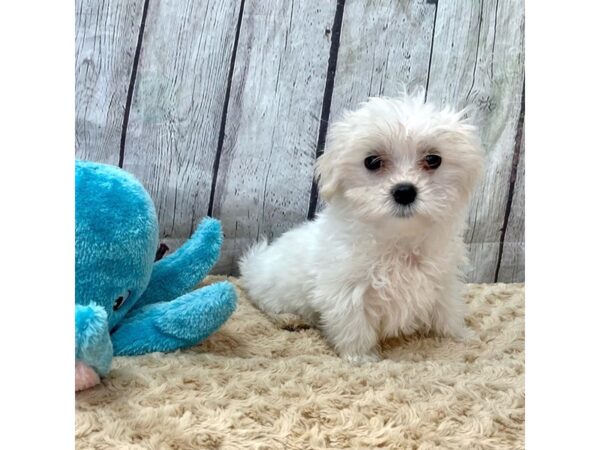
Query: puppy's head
[{"x": 400, "y": 160}]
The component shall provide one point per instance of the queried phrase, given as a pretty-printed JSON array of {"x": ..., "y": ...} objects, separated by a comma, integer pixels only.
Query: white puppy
[{"x": 384, "y": 257}]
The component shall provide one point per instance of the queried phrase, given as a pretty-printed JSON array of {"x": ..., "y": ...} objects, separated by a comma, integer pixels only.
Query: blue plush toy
[{"x": 125, "y": 303}]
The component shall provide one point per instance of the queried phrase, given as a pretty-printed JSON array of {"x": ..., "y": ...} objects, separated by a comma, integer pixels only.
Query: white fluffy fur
[{"x": 367, "y": 268}]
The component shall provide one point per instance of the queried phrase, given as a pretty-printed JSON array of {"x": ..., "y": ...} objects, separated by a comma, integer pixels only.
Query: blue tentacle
[
  {"x": 183, "y": 270},
  {"x": 92, "y": 339},
  {"x": 180, "y": 323}
]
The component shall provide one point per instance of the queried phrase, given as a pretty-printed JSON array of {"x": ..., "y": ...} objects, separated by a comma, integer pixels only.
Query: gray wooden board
[
  {"x": 177, "y": 107},
  {"x": 384, "y": 48},
  {"x": 106, "y": 35},
  {"x": 477, "y": 60},
  {"x": 265, "y": 173},
  {"x": 512, "y": 264}
]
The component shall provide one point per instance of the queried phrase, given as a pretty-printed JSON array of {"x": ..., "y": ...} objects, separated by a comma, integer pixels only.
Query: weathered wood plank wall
[
  {"x": 220, "y": 108},
  {"x": 263, "y": 182},
  {"x": 177, "y": 107},
  {"x": 477, "y": 59},
  {"x": 106, "y": 35}
]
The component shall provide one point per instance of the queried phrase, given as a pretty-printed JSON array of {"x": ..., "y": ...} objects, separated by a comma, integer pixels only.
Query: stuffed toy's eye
[
  {"x": 373, "y": 162},
  {"x": 432, "y": 162},
  {"x": 120, "y": 300}
]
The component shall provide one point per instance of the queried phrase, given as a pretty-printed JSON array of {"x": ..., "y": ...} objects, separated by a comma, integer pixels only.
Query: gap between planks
[
  {"x": 513, "y": 177},
  {"x": 215, "y": 172},
  {"x": 327, "y": 96},
  {"x": 134, "y": 68}
]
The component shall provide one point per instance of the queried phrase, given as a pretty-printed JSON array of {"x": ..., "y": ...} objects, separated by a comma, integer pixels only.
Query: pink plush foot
[{"x": 85, "y": 376}]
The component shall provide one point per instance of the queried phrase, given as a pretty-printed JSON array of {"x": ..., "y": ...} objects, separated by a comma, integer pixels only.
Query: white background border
[
  {"x": 37, "y": 224},
  {"x": 562, "y": 224}
]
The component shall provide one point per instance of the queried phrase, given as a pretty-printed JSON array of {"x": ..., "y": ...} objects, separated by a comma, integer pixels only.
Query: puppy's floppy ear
[
  {"x": 467, "y": 146},
  {"x": 329, "y": 168},
  {"x": 326, "y": 175},
  {"x": 470, "y": 132}
]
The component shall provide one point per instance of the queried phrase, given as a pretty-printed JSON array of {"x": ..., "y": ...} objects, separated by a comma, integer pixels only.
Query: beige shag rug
[{"x": 265, "y": 385}]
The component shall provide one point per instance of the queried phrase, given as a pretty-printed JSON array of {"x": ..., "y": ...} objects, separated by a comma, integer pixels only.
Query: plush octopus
[{"x": 126, "y": 303}]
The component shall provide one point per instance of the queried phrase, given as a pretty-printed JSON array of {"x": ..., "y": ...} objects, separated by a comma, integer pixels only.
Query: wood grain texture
[
  {"x": 512, "y": 263},
  {"x": 384, "y": 47},
  {"x": 477, "y": 60},
  {"x": 106, "y": 35},
  {"x": 265, "y": 173},
  {"x": 177, "y": 107}
]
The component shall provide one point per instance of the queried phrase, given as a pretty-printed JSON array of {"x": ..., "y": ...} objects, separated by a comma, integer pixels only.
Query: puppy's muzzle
[{"x": 404, "y": 193}]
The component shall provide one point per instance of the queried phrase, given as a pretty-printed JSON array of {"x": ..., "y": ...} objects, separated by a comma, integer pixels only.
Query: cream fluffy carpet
[{"x": 259, "y": 384}]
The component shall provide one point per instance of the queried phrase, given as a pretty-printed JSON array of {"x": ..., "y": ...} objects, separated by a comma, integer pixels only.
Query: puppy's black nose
[{"x": 404, "y": 193}]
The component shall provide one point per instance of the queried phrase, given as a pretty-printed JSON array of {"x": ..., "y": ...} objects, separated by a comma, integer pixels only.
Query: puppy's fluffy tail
[
  {"x": 255, "y": 274},
  {"x": 251, "y": 258},
  {"x": 259, "y": 277}
]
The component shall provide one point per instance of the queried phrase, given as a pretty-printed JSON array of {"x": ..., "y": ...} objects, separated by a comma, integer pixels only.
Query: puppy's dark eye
[
  {"x": 120, "y": 300},
  {"x": 432, "y": 162},
  {"x": 373, "y": 162}
]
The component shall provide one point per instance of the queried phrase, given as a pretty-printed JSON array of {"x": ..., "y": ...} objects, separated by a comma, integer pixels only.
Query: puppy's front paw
[
  {"x": 358, "y": 359},
  {"x": 469, "y": 336},
  {"x": 463, "y": 334}
]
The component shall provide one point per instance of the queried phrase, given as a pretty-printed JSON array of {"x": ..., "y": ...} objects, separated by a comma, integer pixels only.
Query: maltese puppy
[{"x": 384, "y": 257}]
